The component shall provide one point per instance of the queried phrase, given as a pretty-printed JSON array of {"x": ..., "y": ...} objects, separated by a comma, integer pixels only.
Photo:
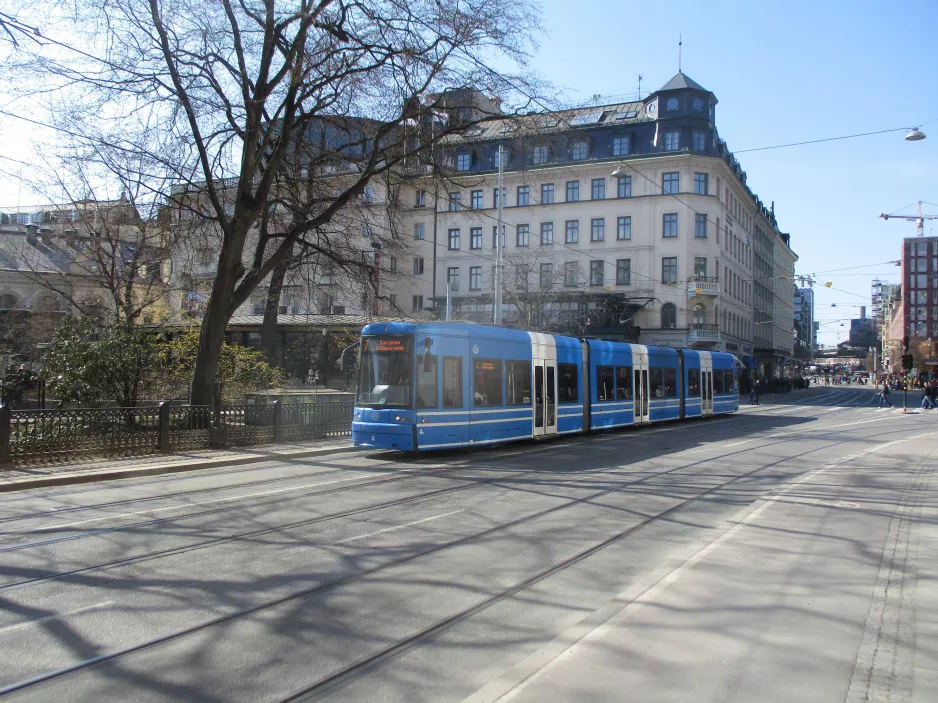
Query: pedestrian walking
[{"x": 884, "y": 396}]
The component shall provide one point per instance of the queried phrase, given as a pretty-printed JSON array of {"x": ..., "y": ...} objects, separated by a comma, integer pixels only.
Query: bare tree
[
  {"x": 236, "y": 86},
  {"x": 101, "y": 246}
]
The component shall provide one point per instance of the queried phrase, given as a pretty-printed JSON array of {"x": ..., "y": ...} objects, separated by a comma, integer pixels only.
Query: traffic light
[
  {"x": 907, "y": 362},
  {"x": 905, "y": 342}
]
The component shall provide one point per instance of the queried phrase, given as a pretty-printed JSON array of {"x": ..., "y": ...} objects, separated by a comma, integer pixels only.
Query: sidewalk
[{"x": 97, "y": 469}]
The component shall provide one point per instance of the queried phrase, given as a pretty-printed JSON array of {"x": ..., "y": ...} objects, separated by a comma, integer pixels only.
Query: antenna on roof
[
  {"x": 679, "y": 42},
  {"x": 639, "y": 86}
]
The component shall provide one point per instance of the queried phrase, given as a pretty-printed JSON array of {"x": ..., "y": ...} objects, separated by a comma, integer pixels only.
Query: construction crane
[{"x": 919, "y": 219}]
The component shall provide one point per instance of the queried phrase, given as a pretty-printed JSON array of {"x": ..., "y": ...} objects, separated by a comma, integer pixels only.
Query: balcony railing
[
  {"x": 700, "y": 285},
  {"x": 703, "y": 333}
]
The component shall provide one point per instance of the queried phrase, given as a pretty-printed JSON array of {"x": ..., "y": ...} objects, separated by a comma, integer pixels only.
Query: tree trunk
[
  {"x": 212, "y": 336},
  {"x": 271, "y": 310}
]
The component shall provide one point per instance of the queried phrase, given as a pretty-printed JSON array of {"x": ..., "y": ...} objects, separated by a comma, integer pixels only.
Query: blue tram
[{"x": 457, "y": 384}]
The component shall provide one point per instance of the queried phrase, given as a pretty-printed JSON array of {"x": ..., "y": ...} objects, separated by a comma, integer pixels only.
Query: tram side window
[
  {"x": 487, "y": 383},
  {"x": 568, "y": 383},
  {"x": 717, "y": 382},
  {"x": 693, "y": 383},
  {"x": 656, "y": 381},
  {"x": 452, "y": 382},
  {"x": 604, "y": 383},
  {"x": 727, "y": 381},
  {"x": 518, "y": 375},
  {"x": 670, "y": 383},
  {"x": 427, "y": 384},
  {"x": 623, "y": 382}
]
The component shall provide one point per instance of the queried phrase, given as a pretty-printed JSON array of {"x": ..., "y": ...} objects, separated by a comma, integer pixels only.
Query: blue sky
[{"x": 785, "y": 73}]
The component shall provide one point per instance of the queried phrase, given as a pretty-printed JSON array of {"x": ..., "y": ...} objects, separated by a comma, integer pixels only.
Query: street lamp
[
  {"x": 621, "y": 171},
  {"x": 915, "y": 135}
]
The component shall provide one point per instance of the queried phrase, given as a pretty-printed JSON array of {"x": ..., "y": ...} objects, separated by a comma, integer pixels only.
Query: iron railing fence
[{"x": 51, "y": 436}]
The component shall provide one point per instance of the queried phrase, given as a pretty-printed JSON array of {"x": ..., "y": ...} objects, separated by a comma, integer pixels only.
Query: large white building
[{"x": 629, "y": 221}]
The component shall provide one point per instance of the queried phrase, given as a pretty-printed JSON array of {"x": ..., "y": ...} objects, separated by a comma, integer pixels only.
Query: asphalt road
[{"x": 787, "y": 553}]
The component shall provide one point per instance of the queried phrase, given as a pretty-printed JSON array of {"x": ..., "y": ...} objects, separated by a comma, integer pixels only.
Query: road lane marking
[
  {"x": 197, "y": 503},
  {"x": 399, "y": 527},
  {"x": 625, "y": 604},
  {"x": 58, "y": 616}
]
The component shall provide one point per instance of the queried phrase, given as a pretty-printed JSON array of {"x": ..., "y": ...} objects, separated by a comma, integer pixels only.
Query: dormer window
[
  {"x": 463, "y": 161},
  {"x": 696, "y": 105},
  {"x": 581, "y": 150},
  {"x": 672, "y": 104},
  {"x": 539, "y": 154},
  {"x": 620, "y": 146}
]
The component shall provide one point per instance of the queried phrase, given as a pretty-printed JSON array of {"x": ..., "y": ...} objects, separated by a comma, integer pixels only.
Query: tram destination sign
[{"x": 386, "y": 345}]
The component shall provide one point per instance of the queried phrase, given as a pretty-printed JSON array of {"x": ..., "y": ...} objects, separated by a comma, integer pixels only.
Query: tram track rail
[
  {"x": 361, "y": 666},
  {"x": 250, "y": 534}
]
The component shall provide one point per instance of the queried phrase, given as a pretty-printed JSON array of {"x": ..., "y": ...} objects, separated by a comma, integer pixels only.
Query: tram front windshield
[{"x": 386, "y": 378}]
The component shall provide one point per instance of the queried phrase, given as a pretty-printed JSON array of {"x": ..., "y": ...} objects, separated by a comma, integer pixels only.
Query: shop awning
[{"x": 750, "y": 362}]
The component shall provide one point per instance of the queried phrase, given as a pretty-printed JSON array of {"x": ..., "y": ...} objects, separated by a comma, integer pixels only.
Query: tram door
[
  {"x": 706, "y": 384},
  {"x": 544, "y": 362},
  {"x": 640, "y": 386}
]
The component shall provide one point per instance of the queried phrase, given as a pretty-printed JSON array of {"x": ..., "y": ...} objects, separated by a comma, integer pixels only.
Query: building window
[
  {"x": 475, "y": 278},
  {"x": 547, "y": 193},
  {"x": 418, "y": 265},
  {"x": 625, "y": 187},
  {"x": 700, "y": 267},
  {"x": 672, "y": 104},
  {"x": 501, "y": 155},
  {"x": 419, "y": 230},
  {"x": 696, "y": 105},
  {"x": 670, "y": 224},
  {"x": 571, "y": 273},
  {"x": 581, "y": 150},
  {"x": 672, "y": 141},
  {"x": 495, "y": 235},
  {"x": 463, "y": 162},
  {"x": 597, "y": 229},
  {"x": 454, "y": 239},
  {"x": 671, "y": 182},
  {"x": 624, "y": 228},
  {"x": 700, "y": 141},
  {"x": 620, "y": 146},
  {"x": 596, "y": 273},
  {"x": 573, "y": 191},
  {"x": 417, "y": 303},
  {"x": 452, "y": 278},
  {"x": 700, "y": 183},
  {"x": 547, "y": 275},
  {"x": 700, "y": 226},
  {"x": 547, "y": 233},
  {"x": 392, "y": 266},
  {"x": 572, "y": 235},
  {"x": 454, "y": 199},
  {"x": 421, "y": 199},
  {"x": 392, "y": 300},
  {"x": 476, "y": 200},
  {"x": 539, "y": 154},
  {"x": 623, "y": 272},
  {"x": 524, "y": 195},
  {"x": 669, "y": 269},
  {"x": 521, "y": 235},
  {"x": 475, "y": 237},
  {"x": 668, "y": 316},
  {"x": 599, "y": 189}
]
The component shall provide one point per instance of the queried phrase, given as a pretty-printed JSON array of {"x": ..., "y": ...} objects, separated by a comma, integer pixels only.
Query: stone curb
[{"x": 195, "y": 465}]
